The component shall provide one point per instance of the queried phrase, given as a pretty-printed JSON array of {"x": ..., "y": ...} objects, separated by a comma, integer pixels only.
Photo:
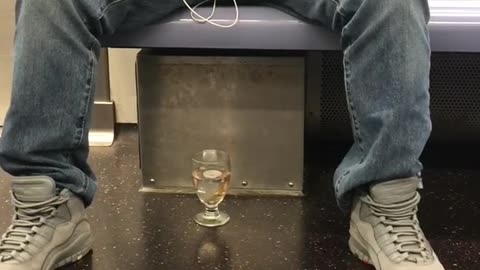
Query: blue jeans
[{"x": 386, "y": 59}]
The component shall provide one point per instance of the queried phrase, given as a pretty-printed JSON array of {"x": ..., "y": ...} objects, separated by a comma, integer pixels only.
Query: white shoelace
[
  {"x": 201, "y": 19},
  {"x": 28, "y": 218},
  {"x": 401, "y": 222}
]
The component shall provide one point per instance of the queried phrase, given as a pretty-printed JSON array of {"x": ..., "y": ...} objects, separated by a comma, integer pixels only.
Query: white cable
[{"x": 199, "y": 18}]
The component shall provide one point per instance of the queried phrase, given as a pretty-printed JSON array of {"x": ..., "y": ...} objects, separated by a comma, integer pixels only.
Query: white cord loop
[{"x": 200, "y": 19}]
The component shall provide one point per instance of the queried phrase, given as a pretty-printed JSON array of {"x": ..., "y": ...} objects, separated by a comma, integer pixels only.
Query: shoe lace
[
  {"x": 402, "y": 224},
  {"x": 29, "y": 217}
]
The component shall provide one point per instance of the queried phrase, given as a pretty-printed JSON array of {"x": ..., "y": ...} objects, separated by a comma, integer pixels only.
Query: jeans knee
[
  {"x": 405, "y": 11},
  {"x": 35, "y": 17}
]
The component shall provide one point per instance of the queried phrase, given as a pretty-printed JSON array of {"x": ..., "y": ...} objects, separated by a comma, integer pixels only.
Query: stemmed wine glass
[{"x": 211, "y": 178}]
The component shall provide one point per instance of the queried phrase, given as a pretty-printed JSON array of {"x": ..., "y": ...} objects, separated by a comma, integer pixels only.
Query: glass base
[{"x": 217, "y": 220}]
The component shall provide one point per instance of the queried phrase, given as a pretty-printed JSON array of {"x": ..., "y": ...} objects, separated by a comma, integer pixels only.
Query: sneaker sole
[{"x": 74, "y": 249}]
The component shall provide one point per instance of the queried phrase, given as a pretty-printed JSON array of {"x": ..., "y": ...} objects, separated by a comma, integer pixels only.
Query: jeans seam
[
  {"x": 86, "y": 182},
  {"x": 354, "y": 119},
  {"x": 351, "y": 107},
  {"x": 90, "y": 75},
  {"x": 83, "y": 113}
]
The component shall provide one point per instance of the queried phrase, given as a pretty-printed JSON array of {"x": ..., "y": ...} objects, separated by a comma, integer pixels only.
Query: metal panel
[
  {"x": 454, "y": 25},
  {"x": 251, "y": 107}
]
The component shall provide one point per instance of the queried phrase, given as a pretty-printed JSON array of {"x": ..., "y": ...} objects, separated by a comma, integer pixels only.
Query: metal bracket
[
  {"x": 103, "y": 114},
  {"x": 103, "y": 124}
]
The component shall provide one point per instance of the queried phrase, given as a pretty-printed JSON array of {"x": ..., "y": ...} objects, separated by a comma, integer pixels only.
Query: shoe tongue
[
  {"x": 34, "y": 189},
  {"x": 395, "y": 191}
]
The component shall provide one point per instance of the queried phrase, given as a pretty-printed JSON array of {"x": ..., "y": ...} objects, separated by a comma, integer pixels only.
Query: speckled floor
[{"x": 153, "y": 231}]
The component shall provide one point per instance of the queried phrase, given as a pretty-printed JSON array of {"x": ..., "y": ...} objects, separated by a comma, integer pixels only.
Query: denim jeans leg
[
  {"x": 56, "y": 51},
  {"x": 387, "y": 64}
]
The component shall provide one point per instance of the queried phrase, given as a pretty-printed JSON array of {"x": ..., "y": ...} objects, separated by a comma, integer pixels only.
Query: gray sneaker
[
  {"x": 49, "y": 227},
  {"x": 384, "y": 229}
]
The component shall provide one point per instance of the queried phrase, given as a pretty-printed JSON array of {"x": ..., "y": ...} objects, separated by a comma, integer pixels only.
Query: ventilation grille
[{"x": 455, "y": 97}]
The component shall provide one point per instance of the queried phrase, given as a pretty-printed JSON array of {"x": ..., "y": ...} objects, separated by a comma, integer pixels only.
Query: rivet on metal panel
[
  {"x": 291, "y": 184},
  {"x": 244, "y": 183}
]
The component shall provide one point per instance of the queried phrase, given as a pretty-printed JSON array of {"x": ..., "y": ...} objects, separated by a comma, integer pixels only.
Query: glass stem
[{"x": 211, "y": 212}]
